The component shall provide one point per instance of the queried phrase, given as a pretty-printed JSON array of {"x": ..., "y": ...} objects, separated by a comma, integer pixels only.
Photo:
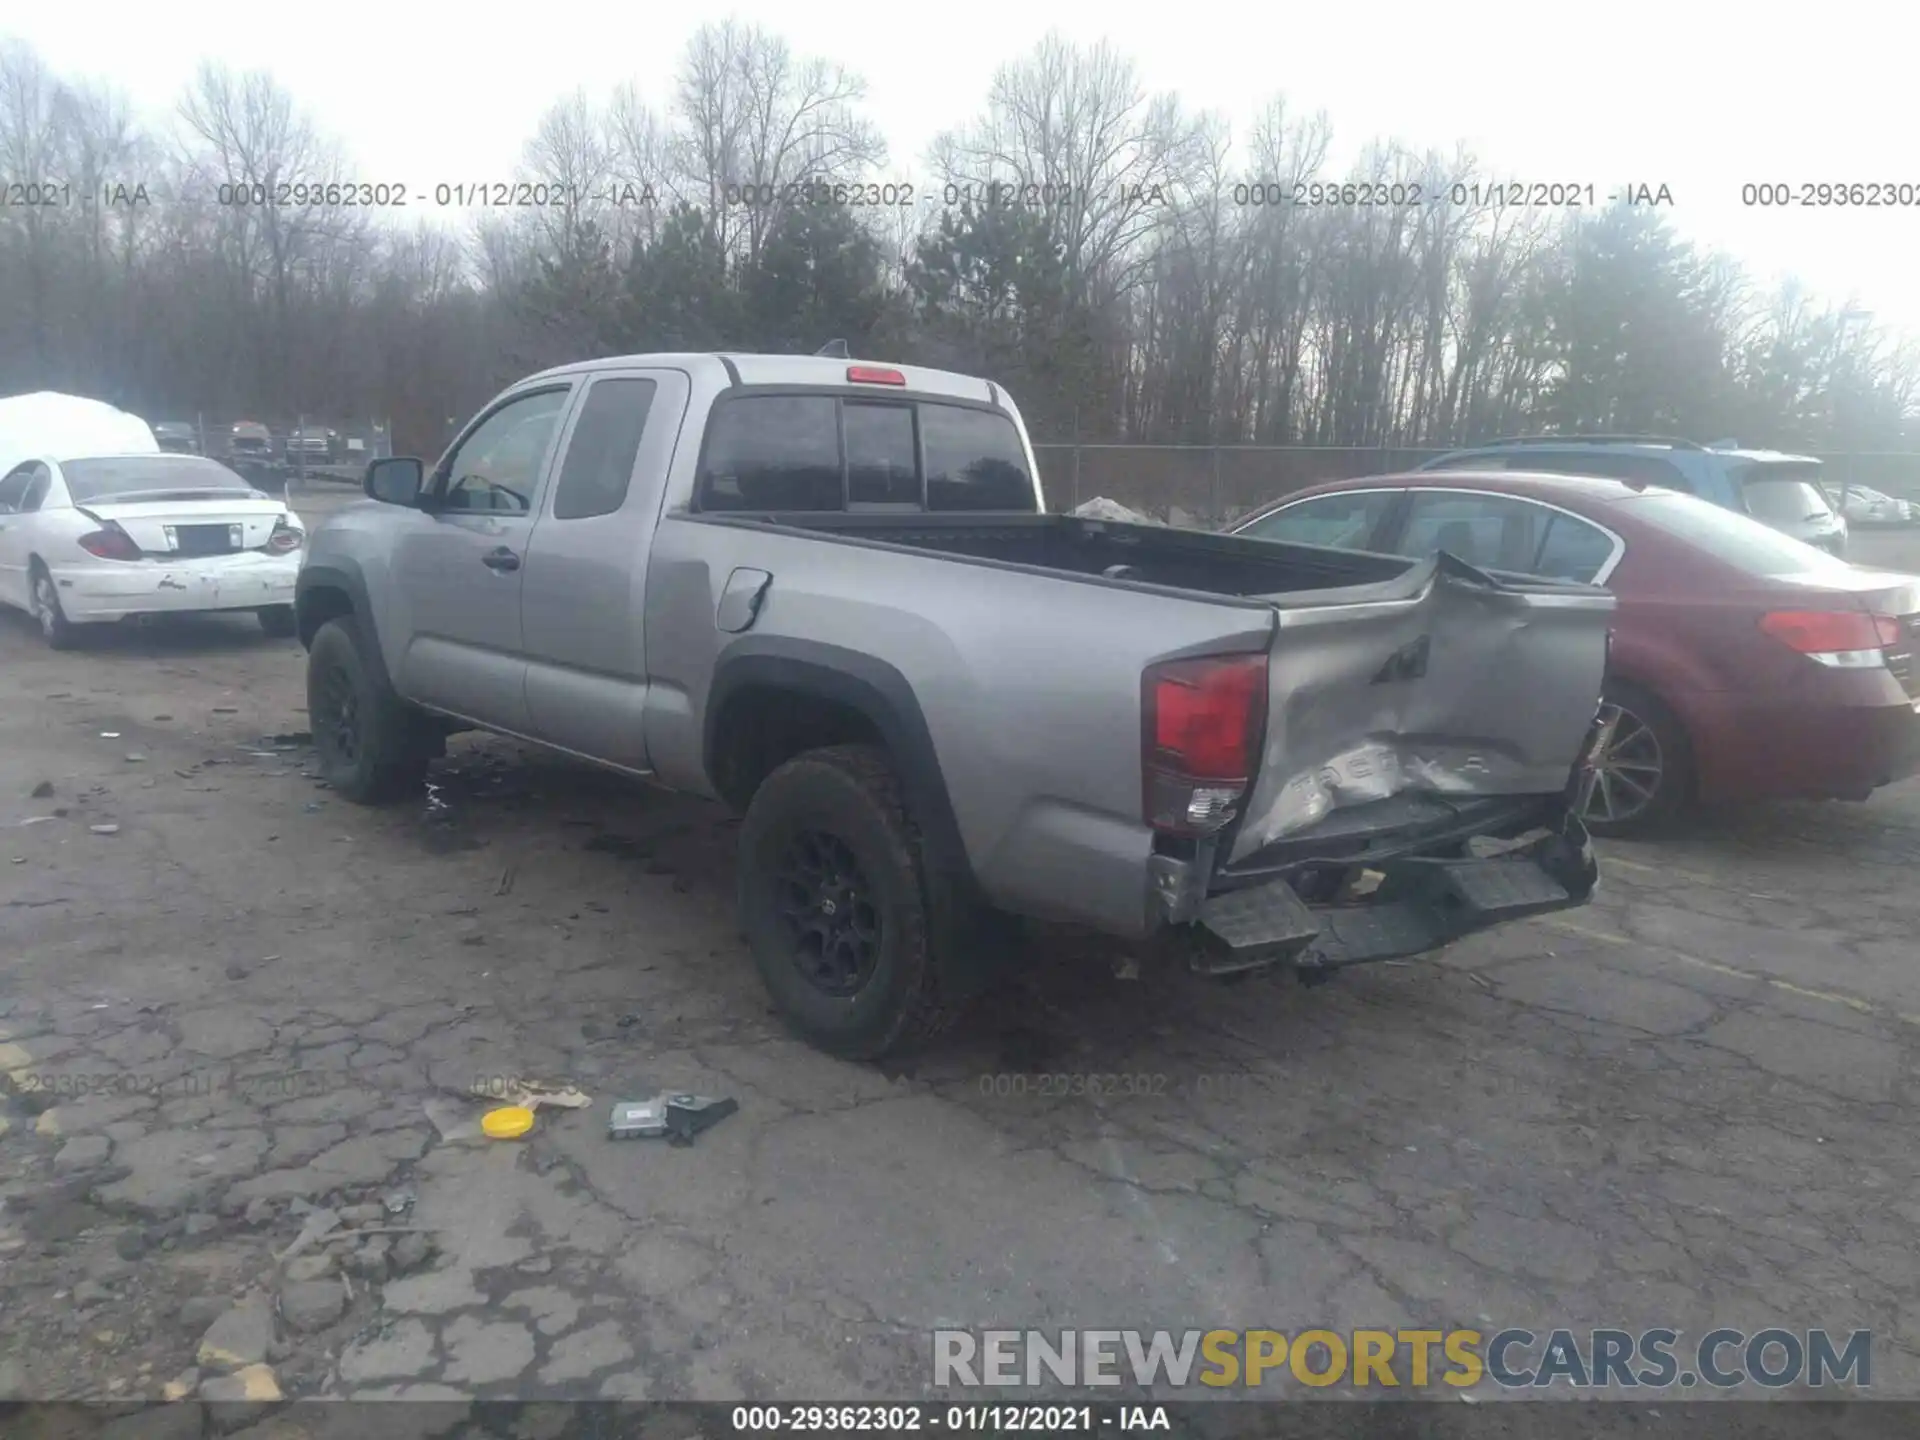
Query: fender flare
[
  {"x": 877, "y": 691},
  {"x": 340, "y": 573}
]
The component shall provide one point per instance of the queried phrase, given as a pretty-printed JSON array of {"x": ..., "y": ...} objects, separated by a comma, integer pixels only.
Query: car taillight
[
  {"x": 285, "y": 538},
  {"x": 110, "y": 542},
  {"x": 1201, "y": 722},
  {"x": 1843, "y": 639},
  {"x": 873, "y": 375}
]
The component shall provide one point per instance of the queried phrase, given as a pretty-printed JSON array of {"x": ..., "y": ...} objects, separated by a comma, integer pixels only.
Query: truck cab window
[
  {"x": 881, "y": 466},
  {"x": 772, "y": 452},
  {"x": 498, "y": 466},
  {"x": 601, "y": 454},
  {"x": 974, "y": 460}
]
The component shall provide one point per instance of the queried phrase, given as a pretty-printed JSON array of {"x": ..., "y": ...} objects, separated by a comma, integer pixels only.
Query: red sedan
[{"x": 1745, "y": 664}]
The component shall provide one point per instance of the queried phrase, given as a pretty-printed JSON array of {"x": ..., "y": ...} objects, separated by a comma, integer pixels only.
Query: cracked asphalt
[{"x": 253, "y": 1012}]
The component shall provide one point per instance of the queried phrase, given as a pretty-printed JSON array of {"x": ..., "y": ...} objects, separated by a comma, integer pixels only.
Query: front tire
[
  {"x": 371, "y": 746},
  {"x": 277, "y": 621},
  {"x": 834, "y": 898},
  {"x": 1645, "y": 769},
  {"x": 59, "y": 632}
]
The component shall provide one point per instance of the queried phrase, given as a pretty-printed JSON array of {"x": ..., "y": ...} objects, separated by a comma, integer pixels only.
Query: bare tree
[
  {"x": 751, "y": 121},
  {"x": 30, "y": 156},
  {"x": 1166, "y": 281}
]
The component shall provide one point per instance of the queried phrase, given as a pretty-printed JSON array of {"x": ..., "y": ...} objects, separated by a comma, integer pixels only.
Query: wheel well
[
  {"x": 1689, "y": 756},
  {"x": 317, "y": 606},
  {"x": 761, "y": 727}
]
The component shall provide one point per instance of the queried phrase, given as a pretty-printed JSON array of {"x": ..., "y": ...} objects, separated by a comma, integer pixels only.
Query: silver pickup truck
[{"x": 829, "y": 594}]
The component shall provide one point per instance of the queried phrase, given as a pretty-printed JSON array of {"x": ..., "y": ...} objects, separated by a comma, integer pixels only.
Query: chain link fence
[
  {"x": 1212, "y": 484},
  {"x": 279, "y": 450}
]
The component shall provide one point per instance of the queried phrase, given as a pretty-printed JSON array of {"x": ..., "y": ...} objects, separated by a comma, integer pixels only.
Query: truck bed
[{"x": 1196, "y": 560}]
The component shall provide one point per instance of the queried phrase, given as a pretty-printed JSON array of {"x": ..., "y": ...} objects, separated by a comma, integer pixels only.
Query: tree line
[{"x": 1128, "y": 266}]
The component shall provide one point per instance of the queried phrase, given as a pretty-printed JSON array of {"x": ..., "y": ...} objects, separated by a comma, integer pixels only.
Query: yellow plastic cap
[{"x": 509, "y": 1122}]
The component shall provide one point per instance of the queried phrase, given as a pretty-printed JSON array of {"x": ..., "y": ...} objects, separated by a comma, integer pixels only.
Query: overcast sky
[{"x": 1630, "y": 92}]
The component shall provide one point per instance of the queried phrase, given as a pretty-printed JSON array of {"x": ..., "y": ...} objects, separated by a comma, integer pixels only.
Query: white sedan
[
  {"x": 1870, "y": 507},
  {"x": 105, "y": 537}
]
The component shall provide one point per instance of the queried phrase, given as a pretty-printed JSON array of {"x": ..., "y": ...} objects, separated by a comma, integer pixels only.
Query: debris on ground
[
  {"x": 104, "y": 829},
  {"x": 509, "y": 1122},
  {"x": 319, "y": 1224},
  {"x": 679, "y": 1117},
  {"x": 531, "y": 1095},
  {"x": 638, "y": 1119},
  {"x": 42, "y": 790}
]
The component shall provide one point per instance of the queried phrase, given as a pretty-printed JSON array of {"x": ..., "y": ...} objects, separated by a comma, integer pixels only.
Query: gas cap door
[{"x": 740, "y": 602}]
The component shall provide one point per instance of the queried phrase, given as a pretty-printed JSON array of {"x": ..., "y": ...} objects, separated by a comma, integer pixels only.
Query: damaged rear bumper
[
  {"x": 113, "y": 590},
  {"x": 1401, "y": 877}
]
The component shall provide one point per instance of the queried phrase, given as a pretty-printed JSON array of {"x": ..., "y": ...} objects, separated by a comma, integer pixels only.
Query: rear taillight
[
  {"x": 285, "y": 538},
  {"x": 1843, "y": 639},
  {"x": 1201, "y": 722},
  {"x": 110, "y": 542},
  {"x": 873, "y": 375}
]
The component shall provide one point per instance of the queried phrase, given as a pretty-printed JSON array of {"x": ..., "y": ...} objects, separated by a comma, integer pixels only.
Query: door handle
[{"x": 501, "y": 560}]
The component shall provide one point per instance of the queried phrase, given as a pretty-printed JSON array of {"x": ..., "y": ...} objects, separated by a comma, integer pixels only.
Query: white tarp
[
  {"x": 68, "y": 427},
  {"x": 1101, "y": 508}
]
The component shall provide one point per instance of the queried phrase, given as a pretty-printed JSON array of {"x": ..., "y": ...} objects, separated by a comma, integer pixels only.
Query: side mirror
[{"x": 396, "y": 481}]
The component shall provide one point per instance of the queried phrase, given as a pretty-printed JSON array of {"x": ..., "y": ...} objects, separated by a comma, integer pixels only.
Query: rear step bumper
[{"x": 1410, "y": 905}]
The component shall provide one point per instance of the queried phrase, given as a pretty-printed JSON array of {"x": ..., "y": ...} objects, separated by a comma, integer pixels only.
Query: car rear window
[
  {"x": 1783, "y": 494},
  {"x": 1738, "y": 540},
  {"x": 134, "y": 474},
  {"x": 820, "y": 452}
]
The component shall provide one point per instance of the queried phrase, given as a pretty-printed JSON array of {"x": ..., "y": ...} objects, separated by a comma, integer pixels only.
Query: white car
[
  {"x": 1864, "y": 506},
  {"x": 99, "y": 538}
]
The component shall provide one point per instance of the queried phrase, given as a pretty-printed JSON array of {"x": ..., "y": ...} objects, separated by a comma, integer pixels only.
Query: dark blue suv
[{"x": 1779, "y": 490}]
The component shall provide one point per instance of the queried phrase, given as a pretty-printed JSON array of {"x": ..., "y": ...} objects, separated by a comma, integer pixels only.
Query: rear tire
[
  {"x": 1646, "y": 772},
  {"x": 371, "y": 745},
  {"x": 278, "y": 621},
  {"x": 834, "y": 897},
  {"x": 59, "y": 632}
]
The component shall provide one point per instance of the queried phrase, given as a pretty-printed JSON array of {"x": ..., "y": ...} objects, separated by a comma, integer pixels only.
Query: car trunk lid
[
  {"x": 1444, "y": 680},
  {"x": 193, "y": 523}
]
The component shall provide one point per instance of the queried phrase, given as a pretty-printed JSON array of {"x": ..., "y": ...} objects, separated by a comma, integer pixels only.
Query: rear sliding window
[
  {"x": 820, "y": 452},
  {"x": 1738, "y": 540}
]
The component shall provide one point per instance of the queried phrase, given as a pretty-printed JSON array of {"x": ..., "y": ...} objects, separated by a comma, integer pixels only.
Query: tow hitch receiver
[{"x": 1418, "y": 905}]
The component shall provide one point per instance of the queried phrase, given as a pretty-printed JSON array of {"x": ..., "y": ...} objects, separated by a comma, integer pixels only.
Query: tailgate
[{"x": 1445, "y": 680}]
